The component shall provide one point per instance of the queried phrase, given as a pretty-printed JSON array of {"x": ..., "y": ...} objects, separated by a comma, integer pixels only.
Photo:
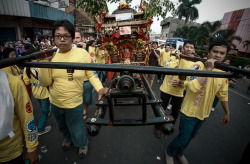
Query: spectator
[
  {"x": 153, "y": 60},
  {"x": 87, "y": 87},
  {"x": 20, "y": 49},
  {"x": 164, "y": 57},
  {"x": 78, "y": 41}
]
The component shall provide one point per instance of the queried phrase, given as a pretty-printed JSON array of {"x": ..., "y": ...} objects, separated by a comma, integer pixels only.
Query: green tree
[
  {"x": 212, "y": 28},
  {"x": 158, "y": 8},
  {"x": 188, "y": 10},
  {"x": 182, "y": 32},
  {"x": 227, "y": 35},
  {"x": 194, "y": 33}
]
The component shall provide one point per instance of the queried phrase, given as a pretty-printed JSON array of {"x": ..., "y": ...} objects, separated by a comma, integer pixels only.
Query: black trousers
[
  {"x": 17, "y": 160},
  {"x": 176, "y": 103}
]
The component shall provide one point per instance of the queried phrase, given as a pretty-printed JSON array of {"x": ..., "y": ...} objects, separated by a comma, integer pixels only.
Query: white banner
[{"x": 124, "y": 16}]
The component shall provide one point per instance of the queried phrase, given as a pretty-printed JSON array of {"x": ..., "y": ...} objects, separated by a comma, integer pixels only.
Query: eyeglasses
[{"x": 59, "y": 37}]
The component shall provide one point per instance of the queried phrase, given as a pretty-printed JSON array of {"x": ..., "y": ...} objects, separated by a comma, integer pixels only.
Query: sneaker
[
  {"x": 182, "y": 159},
  {"x": 169, "y": 107},
  {"x": 66, "y": 145},
  {"x": 83, "y": 152},
  {"x": 212, "y": 109},
  {"x": 169, "y": 159},
  {"x": 46, "y": 130}
]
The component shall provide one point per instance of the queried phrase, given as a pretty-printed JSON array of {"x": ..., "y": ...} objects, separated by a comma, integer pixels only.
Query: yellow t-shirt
[
  {"x": 38, "y": 91},
  {"x": 199, "y": 99},
  {"x": 166, "y": 86},
  {"x": 164, "y": 57},
  {"x": 100, "y": 57},
  {"x": 13, "y": 70},
  {"x": 11, "y": 148},
  {"x": 65, "y": 93},
  {"x": 92, "y": 54}
]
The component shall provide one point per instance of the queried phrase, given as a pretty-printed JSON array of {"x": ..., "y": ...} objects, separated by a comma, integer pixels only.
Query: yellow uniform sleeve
[
  {"x": 222, "y": 93},
  {"x": 12, "y": 70},
  {"x": 45, "y": 75},
  {"x": 7, "y": 70},
  {"x": 24, "y": 111},
  {"x": 194, "y": 86},
  {"x": 94, "y": 80},
  {"x": 173, "y": 62},
  {"x": 192, "y": 83}
]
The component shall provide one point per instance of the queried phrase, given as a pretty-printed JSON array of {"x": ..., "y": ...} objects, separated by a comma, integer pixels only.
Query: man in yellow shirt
[
  {"x": 198, "y": 101},
  {"x": 11, "y": 146},
  {"x": 164, "y": 57},
  {"x": 173, "y": 87},
  {"x": 66, "y": 89},
  {"x": 101, "y": 59},
  {"x": 31, "y": 76}
]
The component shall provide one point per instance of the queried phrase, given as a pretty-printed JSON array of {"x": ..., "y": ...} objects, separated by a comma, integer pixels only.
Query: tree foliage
[
  {"x": 212, "y": 27},
  {"x": 187, "y": 10},
  {"x": 197, "y": 34},
  {"x": 227, "y": 35},
  {"x": 158, "y": 8},
  {"x": 92, "y": 7}
]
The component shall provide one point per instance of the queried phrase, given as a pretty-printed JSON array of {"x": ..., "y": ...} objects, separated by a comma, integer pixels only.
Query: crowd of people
[{"x": 68, "y": 97}]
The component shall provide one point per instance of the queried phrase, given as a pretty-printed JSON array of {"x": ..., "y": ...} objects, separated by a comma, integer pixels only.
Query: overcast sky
[{"x": 209, "y": 10}]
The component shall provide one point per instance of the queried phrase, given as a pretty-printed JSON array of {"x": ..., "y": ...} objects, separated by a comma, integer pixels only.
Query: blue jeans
[
  {"x": 87, "y": 93},
  {"x": 45, "y": 104},
  {"x": 70, "y": 123},
  {"x": 102, "y": 75},
  {"x": 188, "y": 128}
]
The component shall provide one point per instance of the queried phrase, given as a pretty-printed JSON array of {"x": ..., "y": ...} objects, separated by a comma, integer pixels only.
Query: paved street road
[{"x": 215, "y": 143}]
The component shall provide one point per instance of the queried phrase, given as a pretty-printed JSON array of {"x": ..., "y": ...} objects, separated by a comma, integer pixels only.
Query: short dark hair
[
  {"x": 80, "y": 32},
  {"x": 89, "y": 43},
  {"x": 66, "y": 24},
  {"x": 222, "y": 43},
  {"x": 155, "y": 42},
  {"x": 174, "y": 45},
  {"x": 167, "y": 45},
  {"x": 6, "y": 52},
  {"x": 189, "y": 42}
]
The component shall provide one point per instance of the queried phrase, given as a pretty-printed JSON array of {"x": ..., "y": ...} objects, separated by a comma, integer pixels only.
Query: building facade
[
  {"x": 239, "y": 21},
  {"x": 82, "y": 21},
  {"x": 170, "y": 25},
  {"x": 21, "y": 18}
]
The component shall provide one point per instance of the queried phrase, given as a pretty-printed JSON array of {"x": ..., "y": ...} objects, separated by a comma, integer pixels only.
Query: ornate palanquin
[{"x": 125, "y": 35}]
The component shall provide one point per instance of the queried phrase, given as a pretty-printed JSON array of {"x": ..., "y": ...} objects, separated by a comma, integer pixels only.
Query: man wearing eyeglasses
[{"x": 66, "y": 89}]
